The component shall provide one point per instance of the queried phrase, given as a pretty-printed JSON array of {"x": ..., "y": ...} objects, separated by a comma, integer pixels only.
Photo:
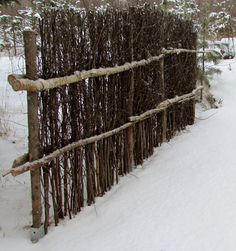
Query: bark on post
[
  {"x": 130, "y": 134},
  {"x": 33, "y": 127},
  {"x": 164, "y": 114}
]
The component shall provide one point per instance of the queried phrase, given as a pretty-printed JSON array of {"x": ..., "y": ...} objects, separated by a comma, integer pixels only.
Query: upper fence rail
[{"x": 19, "y": 83}]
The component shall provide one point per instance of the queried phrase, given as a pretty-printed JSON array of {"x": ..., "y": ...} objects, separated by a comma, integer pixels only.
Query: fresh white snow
[{"x": 181, "y": 199}]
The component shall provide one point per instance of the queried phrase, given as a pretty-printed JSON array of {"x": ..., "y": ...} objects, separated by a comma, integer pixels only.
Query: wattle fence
[{"x": 112, "y": 86}]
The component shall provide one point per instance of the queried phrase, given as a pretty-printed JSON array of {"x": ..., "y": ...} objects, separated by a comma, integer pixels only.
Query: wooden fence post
[
  {"x": 164, "y": 118},
  {"x": 33, "y": 140}
]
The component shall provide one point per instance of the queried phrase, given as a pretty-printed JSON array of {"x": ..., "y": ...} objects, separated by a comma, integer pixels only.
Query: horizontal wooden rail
[
  {"x": 46, "y": 159},
  {"x": 19, "y": 83},
  {"x": 164, "y": 105}
]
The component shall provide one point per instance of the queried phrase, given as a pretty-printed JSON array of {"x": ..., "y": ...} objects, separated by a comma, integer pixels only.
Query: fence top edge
[{"x": 20, "y": 83}]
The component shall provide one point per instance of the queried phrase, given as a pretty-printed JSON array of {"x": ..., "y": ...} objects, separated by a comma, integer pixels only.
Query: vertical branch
[
  {"x": 203, "y": 56},
  {"x": 46, "y": 199},
  {"x": 164, "y": 114},
  {"x": 33, "y": 127},
  {"x": 14, "y": 39},
  {"x": 130, "y": 133}
]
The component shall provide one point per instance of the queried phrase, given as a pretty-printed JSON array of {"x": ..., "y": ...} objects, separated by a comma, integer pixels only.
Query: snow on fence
[{"x": 89, "y": 127}]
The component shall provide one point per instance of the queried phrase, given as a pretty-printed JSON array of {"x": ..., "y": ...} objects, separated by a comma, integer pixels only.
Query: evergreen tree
[
  {"x": 8, "y": 2},
  {"x": 182, "y": 8},
  {"x": 221, "y": 20}
]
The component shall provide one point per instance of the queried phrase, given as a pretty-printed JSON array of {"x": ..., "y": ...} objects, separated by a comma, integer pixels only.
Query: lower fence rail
[{"x": 29, "y": 166}]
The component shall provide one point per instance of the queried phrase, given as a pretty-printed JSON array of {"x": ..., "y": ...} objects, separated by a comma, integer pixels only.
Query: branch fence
[{"x": 107, "y": 95}]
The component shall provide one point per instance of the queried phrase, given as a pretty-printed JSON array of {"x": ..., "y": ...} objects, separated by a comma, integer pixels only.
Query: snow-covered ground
[
  {"x": 13, "y": 114},
  {"x": 14, "y": 192},
  {"x": 182, "y": 199}
]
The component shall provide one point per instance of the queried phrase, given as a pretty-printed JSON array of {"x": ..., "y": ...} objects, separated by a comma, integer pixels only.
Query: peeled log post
[{"x": 33, "y": 127}]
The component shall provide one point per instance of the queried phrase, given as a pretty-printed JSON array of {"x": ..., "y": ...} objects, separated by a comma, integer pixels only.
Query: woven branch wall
[{"x": 81, "y": 41}]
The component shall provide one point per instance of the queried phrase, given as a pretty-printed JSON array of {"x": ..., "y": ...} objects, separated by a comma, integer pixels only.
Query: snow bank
[
  {"x": 12, "y": 104},
  {"x": 182, "y": 199},
  {"x": 14, "y": 192}
]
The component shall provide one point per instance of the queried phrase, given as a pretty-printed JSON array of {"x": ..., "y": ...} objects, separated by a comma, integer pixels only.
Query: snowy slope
[
  {"x": 182, "y": 199},
  {"x": 14, "y": 192}
]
